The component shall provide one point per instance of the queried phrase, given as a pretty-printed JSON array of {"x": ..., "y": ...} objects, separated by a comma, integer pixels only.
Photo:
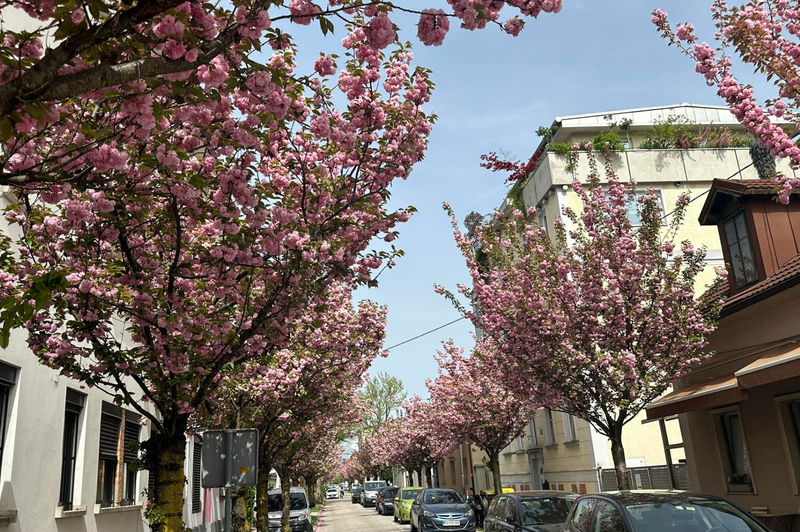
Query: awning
[
  {"x": 701, "y": 395},
  {"x": 782, "y": 362}
]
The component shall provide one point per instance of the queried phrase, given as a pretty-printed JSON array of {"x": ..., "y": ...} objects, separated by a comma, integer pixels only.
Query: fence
[{"x": 648, "y": 478}]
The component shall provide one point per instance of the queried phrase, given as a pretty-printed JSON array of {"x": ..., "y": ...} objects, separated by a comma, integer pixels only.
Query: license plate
[{"x": 451, "y": 523}]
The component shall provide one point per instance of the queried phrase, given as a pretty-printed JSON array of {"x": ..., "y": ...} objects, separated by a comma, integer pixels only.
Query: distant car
[
  {"x": 530, "y": 511},
  {"x": 656, "y": 511},
  {"x": 384, "y": 504},
  {"x": 299, "y": 510},
  {"x": 355, "y": 497},
  {"x": 402, "y": 503},
  {"x": 370, "y": 493},
  {"x": 441, "y": 509},
  {"x": 332, "y": 493}
]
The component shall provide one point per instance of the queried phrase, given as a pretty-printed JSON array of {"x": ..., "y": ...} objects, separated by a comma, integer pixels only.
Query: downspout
[{"x": 461, "y": 454}]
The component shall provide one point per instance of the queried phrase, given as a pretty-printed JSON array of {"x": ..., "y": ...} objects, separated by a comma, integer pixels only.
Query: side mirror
[
  {"x": 511, "y": 519},
  {"x": 312, "y": 505},
  {"x": 416, "y": 502}
]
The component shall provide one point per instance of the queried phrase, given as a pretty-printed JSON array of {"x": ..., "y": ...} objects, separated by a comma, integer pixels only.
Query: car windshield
[
  {"x": 544, "y": 510},
  {"x": 297, "y": 501},
  {"x": 694, "y": 516},
  {"x": 389, "y": 494},
  {"x": 374, "y": 486},
  {"x": 357, "y": 490},
  {"x": 409, "y": 494},
  {"x": 442, "y": 497}
]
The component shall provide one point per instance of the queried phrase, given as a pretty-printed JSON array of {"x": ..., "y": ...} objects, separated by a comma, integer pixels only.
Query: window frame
[
  {"x": 573, "y": 525},
  {"x": 73, "y": 414},
  {"x": 724, "y": 451},
  {"x": 568, "y": 420},
  {"x": 731, "y": 220},
  {"x": 787, "y": 433},
  {"x": 549, "y": 428},
  {"x": 124, "y": 419},
  {"x": 638, "y": 191},
  {"x": 8, "y": 381}
]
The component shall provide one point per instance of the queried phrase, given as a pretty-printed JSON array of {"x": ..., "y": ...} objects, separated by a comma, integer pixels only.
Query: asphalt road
[{"x": 340, "y": 515}]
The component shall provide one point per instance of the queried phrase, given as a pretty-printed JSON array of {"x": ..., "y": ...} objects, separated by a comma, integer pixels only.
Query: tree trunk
[
  {"x": 286, "y": 486},
  {"x": 419, "y": 478},
  {"x": 311, "y": 489},
  {"x": 239, "y": 521},
  {"x": 164, "y": 456},
  {"x": 618, "y": 455},
  {"x": 494, "y": 466},
  {"x": 262, "y": 495},
  {"x": 429, "y": 477}
]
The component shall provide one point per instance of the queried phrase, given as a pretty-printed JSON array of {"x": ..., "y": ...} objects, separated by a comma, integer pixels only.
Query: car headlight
[
  {"x": 470, "y": 513},
  {"x": 301, "y": 517},
  {"x": 426, "y": 513}
]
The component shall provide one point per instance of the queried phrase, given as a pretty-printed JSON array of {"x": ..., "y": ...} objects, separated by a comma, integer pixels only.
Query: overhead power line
[{"x": 425, "y": 333}]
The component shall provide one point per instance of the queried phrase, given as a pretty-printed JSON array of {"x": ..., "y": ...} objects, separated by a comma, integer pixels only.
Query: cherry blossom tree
[
  {"x": 407, "y": 441},
  {"x": 118, "y": 74},
  {"x": 599, "y": 327},
  {"x": 315, "y": 376},
  {"x": 765, "y": 36},
  {"x": 471, "y": 403}
]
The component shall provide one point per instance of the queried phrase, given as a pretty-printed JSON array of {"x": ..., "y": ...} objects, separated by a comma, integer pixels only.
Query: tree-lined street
[{"x": 340, "y": 515}]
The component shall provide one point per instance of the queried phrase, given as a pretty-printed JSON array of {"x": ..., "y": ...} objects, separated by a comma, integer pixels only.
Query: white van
[
  {"x": 299, "y": 510},
  {"x": 332, "y": 493}
]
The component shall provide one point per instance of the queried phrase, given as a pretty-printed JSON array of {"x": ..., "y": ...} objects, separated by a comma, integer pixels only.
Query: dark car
[
  {"x": 356, "y": 495},
  {"x": 441, "y": 509},
  {"x": 384, "y": 504},
  {"x": 657, "y": 511},
  {"x": 529, "y": 511}
]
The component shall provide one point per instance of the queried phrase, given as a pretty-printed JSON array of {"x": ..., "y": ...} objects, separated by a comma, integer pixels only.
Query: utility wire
[{"x": 425, "y": 333}]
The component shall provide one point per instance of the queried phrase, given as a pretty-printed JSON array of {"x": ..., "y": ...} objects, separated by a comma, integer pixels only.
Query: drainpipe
[{"x": 461, "y": 454}]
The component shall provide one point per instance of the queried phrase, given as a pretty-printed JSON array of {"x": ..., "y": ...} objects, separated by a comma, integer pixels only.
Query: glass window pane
[
  {"x": 581, "y": 519},
  {"x": 607, "y": 519},
  {"x": 738, "y": 267},
  {"x": 741, "y": 226},
  {"x": 730, "y": 233},
  {"x": 749, "y": 263}
]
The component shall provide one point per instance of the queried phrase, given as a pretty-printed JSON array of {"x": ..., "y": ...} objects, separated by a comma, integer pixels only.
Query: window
[
  {"x": 69, "y": 448},
  {"x": 520, "y": 446},
  {"x": 549, "y": 427},
  {"x": 632, "y": 206},
  {"x": 8, "y": 377},
  {"x": 197, "y": 453},
  {"x": 452, "y": 470},
  {"x": 789, "y": 413},
  {"x": 570, "y": 434},
  {"x": 740, "y": 251},
  {"x": 607, "y": 518},
  {"x": 734, "y": 451},
  {"x": 542, "y": 221},
  {"x": 532, "y": 428},
  {"x": 110, "y": 461},
  {"x": 582, "y": 517}
]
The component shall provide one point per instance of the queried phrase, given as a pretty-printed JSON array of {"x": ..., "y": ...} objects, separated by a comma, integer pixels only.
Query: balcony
[{"x": 647, "y": 167}]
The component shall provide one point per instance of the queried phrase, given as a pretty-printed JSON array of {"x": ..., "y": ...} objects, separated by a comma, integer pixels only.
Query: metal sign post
[{"x": 229, "y": 458}]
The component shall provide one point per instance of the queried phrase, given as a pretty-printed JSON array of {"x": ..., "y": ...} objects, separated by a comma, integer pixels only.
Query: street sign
[{"x": 229, "y": 458}]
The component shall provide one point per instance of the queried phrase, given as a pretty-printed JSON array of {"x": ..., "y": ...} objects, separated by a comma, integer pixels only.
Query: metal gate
[{"x": 648, "y": 478}]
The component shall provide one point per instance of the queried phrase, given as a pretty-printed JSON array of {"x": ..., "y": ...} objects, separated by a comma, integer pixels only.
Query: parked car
[
  {"x": 299, "y": 510},
  {"x": 529, "y": 511},
  {"x": 355, "y": 496},
  {"x": 657, "y": 511},
  {"x": 332, "y": 493},
  {"x": 370, "y": 493},
  {"x": 384, "y": 504},
  {"x": 402, "y": 503},
  {"x": 441, "y": 509}
]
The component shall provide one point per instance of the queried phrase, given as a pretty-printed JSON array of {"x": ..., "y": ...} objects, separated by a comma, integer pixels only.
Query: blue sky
[{"x": 492, "y": 92}]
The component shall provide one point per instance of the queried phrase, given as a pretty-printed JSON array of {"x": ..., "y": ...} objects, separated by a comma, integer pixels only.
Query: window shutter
[
  {"x": 75, "y": 401},
  {"x": 109, "y": 434},
  {"x": 132, "y": 428},
  {"x": 8, "y": 374},
  {"x": 196, "y": 454}
]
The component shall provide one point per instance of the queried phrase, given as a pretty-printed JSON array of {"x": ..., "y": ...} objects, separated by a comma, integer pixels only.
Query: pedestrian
[
  {"x": 477, "y": 507},
  {"x": 545, "y": 485}
]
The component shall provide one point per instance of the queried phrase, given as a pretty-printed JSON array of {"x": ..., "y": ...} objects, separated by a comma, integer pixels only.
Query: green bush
[
  {"x": 560, "y": 148},
  {"x": 615, "y": 143}
]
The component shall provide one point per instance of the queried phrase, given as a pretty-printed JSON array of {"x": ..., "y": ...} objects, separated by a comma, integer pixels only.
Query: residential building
[
  {"x": 66, "y": 451},
  {"x": 739, "y": 411},
  {"x": 465, "y": 468},
  {"x": 568, "y": 452}
]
